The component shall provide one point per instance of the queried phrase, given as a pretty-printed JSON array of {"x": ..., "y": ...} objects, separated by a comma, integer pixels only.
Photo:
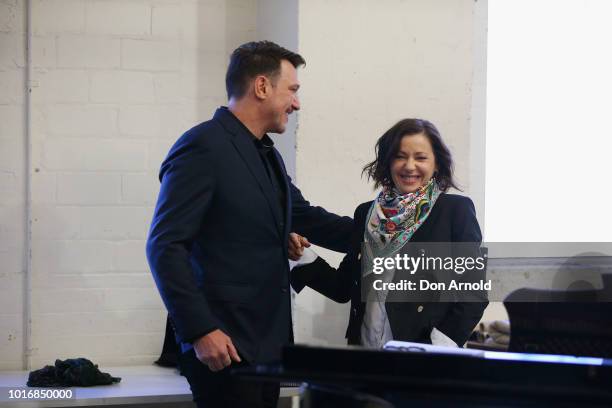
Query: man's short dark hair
[
  {"x": 388, "y": 146},
  {"x": 256, "y": 58}
]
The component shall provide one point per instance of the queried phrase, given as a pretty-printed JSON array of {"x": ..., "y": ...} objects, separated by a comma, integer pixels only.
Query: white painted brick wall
[
  {"x": 12, "y": 87},
  {"x": 168, "y": 88},
  {"x": 44, "y": 188},
  {"x": 6, "y": 17},
  {"x": 12, "y": 178},
  {"x": 12, "y": 232},
  {"x": 88, "y": 188},
  {"x": 158, "y": 152},
  {"x": 52, "y": 222},
  {"x": 150, "y": 55},
  {"x": 91, "y": 323},
  {"x": 61, "y": 86},
  {"x": 94, "y": 154},
  {"x": 58, "y": 16},
  {"x": 244, "y": 27},
  {"x": 115, "y": 223},
  {"x": 13, "y": 54},
  {"x": 12, "y": 16},
  {"x": 127, "y": 257},
  {"x": 11, "y": 343},
  {"x": 10, "y": 160},
  {"x": 92, "y": 222},
  {"x": 140, "y": 121},
  {"x": 118, "y": 17},
  {"x": 93, "y": 281},
  {"x": 167, "y": 20},
  {"x": 139, "y": 189},
  {"x": 122, "y": 87},
  {"x": 175, "y": 119},
  {"x": 77, "y": 120},
  {"x": 98, "y": 299},
  {"x": 11, "y": 122},
  {"x": 88, "y": 51},
  {"x": 44, "y": 52},
  {"x": 72, "y": 257},
  {"x": 119, "y": 349},
  {"x": 212, "y": 38}
]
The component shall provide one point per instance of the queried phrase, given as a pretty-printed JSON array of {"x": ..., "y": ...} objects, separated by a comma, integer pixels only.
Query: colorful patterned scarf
[
  {"x": 394, "y": 217},
  {"x": 392, "y": 221}
]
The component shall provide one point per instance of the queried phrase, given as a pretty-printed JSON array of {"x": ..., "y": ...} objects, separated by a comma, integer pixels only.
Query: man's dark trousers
[{"x": 222, "y": 390}]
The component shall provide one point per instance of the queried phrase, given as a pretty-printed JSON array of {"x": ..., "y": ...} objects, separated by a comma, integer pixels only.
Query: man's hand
[
  {"x": 216, "y": 350},
  {"x": 297, "y": 243}
]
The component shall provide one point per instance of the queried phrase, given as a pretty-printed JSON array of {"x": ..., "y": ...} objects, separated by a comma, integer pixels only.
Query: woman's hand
[{"x": 297, "y": 243}]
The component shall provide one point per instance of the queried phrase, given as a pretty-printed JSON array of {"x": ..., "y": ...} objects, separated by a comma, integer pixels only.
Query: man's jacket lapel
[{"x": 243, "y": 142}]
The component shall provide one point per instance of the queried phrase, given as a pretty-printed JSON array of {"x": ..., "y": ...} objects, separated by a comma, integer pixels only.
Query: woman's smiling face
[{"x": 414, "y": 164}]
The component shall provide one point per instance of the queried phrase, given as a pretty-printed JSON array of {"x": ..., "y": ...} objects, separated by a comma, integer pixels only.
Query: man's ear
[{"x": 261, "y": 87}]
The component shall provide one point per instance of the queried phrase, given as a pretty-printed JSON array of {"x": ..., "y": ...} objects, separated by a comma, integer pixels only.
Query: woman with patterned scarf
[{"x": 415, "y": 169}]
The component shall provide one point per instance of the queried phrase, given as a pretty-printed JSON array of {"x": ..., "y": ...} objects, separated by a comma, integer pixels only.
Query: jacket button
[
  {"x": 284, "y": 290},
  {"x": 355, "y": 311},
  {"x": 356, "y": 283},
  {"x": 420, "y": 308},
  {"x": 359, "y": 256}
]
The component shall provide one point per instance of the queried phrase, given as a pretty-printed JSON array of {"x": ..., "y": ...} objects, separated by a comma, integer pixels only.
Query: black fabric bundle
[{"x": 78, "y": 372}]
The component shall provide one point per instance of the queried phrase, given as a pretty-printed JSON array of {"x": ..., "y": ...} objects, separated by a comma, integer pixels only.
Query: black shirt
[{"x": 265, "y": 147}]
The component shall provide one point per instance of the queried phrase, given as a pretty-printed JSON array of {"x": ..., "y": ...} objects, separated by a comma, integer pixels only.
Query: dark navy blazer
[{"x": 217, "y": 246}]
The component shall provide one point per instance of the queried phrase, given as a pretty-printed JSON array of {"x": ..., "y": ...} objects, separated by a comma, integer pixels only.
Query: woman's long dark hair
[{"x": 388, "y": 146}]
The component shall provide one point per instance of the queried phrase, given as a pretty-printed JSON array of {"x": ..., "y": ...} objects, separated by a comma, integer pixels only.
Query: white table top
[{"x": 139, "y": 385}]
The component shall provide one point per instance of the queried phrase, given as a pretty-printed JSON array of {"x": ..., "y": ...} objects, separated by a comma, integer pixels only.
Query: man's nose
[{"x": 296, "y": 103}]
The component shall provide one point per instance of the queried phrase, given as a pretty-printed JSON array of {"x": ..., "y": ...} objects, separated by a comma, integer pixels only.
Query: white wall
[{"x": 12, "y": 182}]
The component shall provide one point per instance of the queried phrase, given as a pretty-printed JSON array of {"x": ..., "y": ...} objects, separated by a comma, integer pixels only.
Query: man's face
[{"x": 283, "y": 99}]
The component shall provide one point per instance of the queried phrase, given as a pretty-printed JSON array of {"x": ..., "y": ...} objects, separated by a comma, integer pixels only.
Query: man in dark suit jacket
[{"x": 218, "y": 241}]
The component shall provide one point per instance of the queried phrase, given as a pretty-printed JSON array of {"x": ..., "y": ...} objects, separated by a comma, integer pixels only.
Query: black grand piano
[
  {"x": 544, "y": 368},
  {"x": 416, "y": 375}
]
